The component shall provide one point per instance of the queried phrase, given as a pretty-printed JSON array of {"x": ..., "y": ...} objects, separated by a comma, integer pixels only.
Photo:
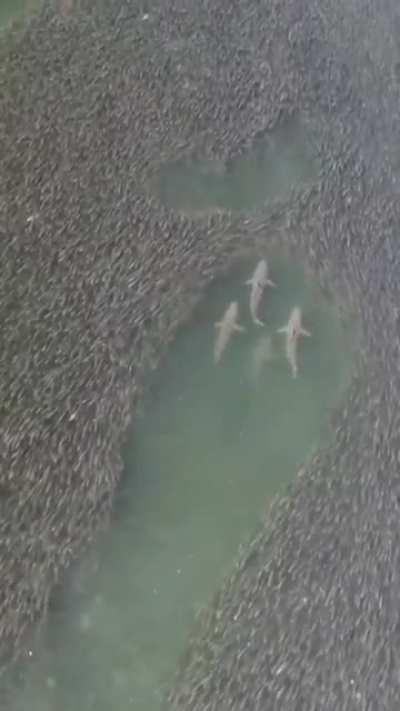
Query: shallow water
[
  {"x": 278, "y": 161},
  {"x": 213, "y": 445}
]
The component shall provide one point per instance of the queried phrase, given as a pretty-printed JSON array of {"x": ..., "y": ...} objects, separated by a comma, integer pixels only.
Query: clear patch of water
[
  {"x": 212, "y": 447},
  {"x": 279, "y": 161}
]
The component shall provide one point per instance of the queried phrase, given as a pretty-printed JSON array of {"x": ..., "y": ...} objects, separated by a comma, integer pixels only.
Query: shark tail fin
[
  {"x": 304, "y": 332},
  {"x": 284, "y": 329}
]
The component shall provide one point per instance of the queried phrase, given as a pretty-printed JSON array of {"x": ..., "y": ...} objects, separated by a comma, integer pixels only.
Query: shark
[
  {"x": 226, "y": 328},
  {"x": 258, "y": 281},
  {"x": 261, "y": 354},
  {"x": 293, "y": 330}
]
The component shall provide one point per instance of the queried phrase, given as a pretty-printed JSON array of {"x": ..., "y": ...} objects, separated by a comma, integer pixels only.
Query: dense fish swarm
[{"x": 96, "y": 276}]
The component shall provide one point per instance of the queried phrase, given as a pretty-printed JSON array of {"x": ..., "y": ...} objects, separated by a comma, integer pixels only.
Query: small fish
[
  {"x": 258, "y": 282},
  {"x": 227, "y": 327},
  {"x": 293, "y": 330}
]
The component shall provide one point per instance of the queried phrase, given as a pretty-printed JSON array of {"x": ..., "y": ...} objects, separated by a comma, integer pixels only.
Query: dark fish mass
[{"x": 96, "y": 276}]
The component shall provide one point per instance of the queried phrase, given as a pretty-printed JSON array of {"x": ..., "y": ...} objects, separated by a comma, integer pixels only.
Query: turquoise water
[{"x": 213, "y": 445}]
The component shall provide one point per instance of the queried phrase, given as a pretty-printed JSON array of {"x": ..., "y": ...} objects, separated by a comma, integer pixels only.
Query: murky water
[
  {"x": 278, "y": 161},
  {"x": 213, "y": 445}
]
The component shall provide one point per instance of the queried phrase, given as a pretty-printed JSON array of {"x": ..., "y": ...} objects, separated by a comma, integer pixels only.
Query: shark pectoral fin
[
  {"x": 284, "y": 329},
  {"x": 304, "y": 332},
  {"x": 270, "y": 283},
  {"x": 249, "y": 282},
  {"x": 239, "y": 329},
  {"x": 258, "y": 322}
]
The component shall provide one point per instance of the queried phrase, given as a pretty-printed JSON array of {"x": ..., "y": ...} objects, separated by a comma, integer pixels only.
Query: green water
[
  {"x": 11, "y": 10},
  {"x": 213, "y": 445},
  {"x": 278, "y": 161}
]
